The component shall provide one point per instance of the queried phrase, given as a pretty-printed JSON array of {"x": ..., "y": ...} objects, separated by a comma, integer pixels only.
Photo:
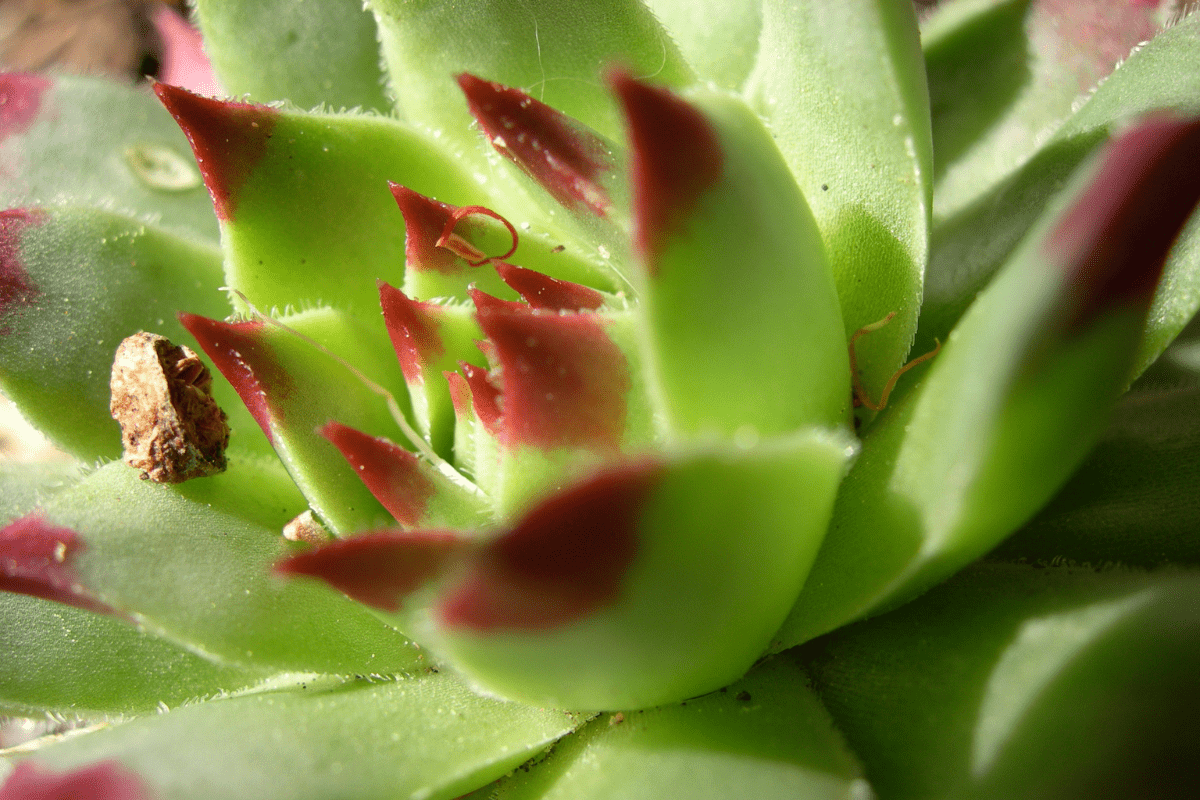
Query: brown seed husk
[
  {"x": 305, "y": 528},
  {"x": 172, "y": 428}
]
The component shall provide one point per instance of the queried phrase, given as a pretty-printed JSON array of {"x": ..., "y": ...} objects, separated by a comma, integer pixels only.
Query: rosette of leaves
[{"x": 563, "y": 344}]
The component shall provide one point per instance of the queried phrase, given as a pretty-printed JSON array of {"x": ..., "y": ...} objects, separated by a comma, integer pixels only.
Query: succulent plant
[{"x": 648, "y": 412}]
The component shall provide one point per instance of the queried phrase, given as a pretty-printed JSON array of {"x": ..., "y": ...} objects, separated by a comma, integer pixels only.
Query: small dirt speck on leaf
[{"x": 171, "y": 427}]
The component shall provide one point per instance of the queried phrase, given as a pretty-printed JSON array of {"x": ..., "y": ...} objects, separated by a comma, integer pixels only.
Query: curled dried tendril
[
  {"x": 464, "y": 249},
  {"x": 861, "y": 398}
]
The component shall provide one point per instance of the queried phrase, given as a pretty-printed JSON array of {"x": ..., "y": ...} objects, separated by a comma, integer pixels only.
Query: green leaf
[
  {"x": 718, "y": 39},
  {"x": 647, "y": 617},
  {"x": 555, "y": 50},
  {"x": 1002, "y": 73},
  {"x": 426, "y": 737},
  {"x": 1016, "y": 398},
  {"x": 764, "y": 737},
  {"x": 1011, "y": 681},
  {"x": 136, "y": 162},
  {"x": 742, "y": 329},
  {"x": 841, "y": 85},
  {"x": 307, "y": 53},
  {"x": 1133, "y": 500},
  {"x": 201, "y": 578},
  {"x": 58, "y": 659},
  {"x": 92, "y": 278},
  {"x": 24, "y": 485},
  {"x": 971, "y": 241}
]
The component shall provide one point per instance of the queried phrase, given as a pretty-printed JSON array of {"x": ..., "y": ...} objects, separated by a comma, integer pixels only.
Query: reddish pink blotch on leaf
[{"x": 36, "y": 559}]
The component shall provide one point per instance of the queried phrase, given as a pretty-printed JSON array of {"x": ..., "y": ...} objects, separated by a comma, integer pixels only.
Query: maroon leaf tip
[
  {"x": 564, "y": 157},
  {"x": 542, "y": 291},
  {"x": 378, "y": 568},
  {"x": 390, "y": 472},
  {"x": 35, "y": 559},
  {"x": 675, "y": 156},
  {"x": 413, "y": 328},
  {"x": 240, "y": 351},
  {"x": 564, "y": 382},
  {"x": 484, "y": 396},
  {"x": 20, "y": 100},
  {"x": 426, "y": 222},
  {"x": 566, "y": 559},
  {"x": 17, "y": 289},
  {"x": 104, "y": 780},
  {"x": 1114, "y": 239},
  {"x": 227, "y": 138}
]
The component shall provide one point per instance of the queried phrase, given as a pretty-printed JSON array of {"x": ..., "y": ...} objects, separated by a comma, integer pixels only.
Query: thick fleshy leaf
[
  {"x": 292, "y": 389},
  {"x": 1019, "y": 394},
  {"x": 765, "y": 737},
  {"x": 564, "y": 394},
  {"x": 555, "y": 50},
  {"x": 24, "y": 485},
  {"x": 200, "y": 578},
  {"x": 414, "y": 491},
  {"x": 326, "y": 53},
  {"x": 306, "y": 212},
  {"x": 621, "y": 587},
  {"x": 426, "y": 736},
  {"x": 73, "y": 283},
  {"x": 719, "y": 39},
  {"x": 1133, "y": 500},
  {"x": 430, "y": 338},
  {"x": 1003, "y": 73},
  {"x": 742, "y": 330},
  {"x": 63, "y": 660},
  {"x": 971, "y": 242},
  {"x": 842, "y": 87},
  {"x": 1012, "y": 681},
  {"x": 136, "y": 163}
]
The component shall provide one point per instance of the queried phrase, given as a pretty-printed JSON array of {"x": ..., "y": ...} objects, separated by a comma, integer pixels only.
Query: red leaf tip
[
  {"x": 565, "y": 158},
  {"x": 675, "y": 157},
  {"x": 17, "y": 288},
  {"x": 1114, "y": 239},
  {"x": 391, "y": 473},
  {"x": 377, "y": 568},
  {"x": 566, "y": 559},
  {"x": 564, "y": 382},
  {"x": 227, "y": 138}
]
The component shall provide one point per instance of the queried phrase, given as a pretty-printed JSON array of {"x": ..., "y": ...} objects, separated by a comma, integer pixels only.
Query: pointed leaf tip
[
  {"x": 546, "y": 293},
  {"x": 17, "y": 289},
  {"x": 566, "y": 559},
  {"x": 413, "y": 328},
  {"x": 35, "y": 559},
  {"x": 20, "y": 100},
  {"x": 565, "y": 158},
  {"x": 1114, "y": 239},
  {"x": 564, "y": 383},
  {"x": 675, "y": 156},
  {"x": 378, "y": 568},
  {"x": 227, "y": 138},
  {"x": 390, "y": 472},
  {"x": 240, "y": 351},
  {"x": 483, "y": 394},
  {"x": 104, "y": 780},
  {"x": 425, "y": 219}
]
